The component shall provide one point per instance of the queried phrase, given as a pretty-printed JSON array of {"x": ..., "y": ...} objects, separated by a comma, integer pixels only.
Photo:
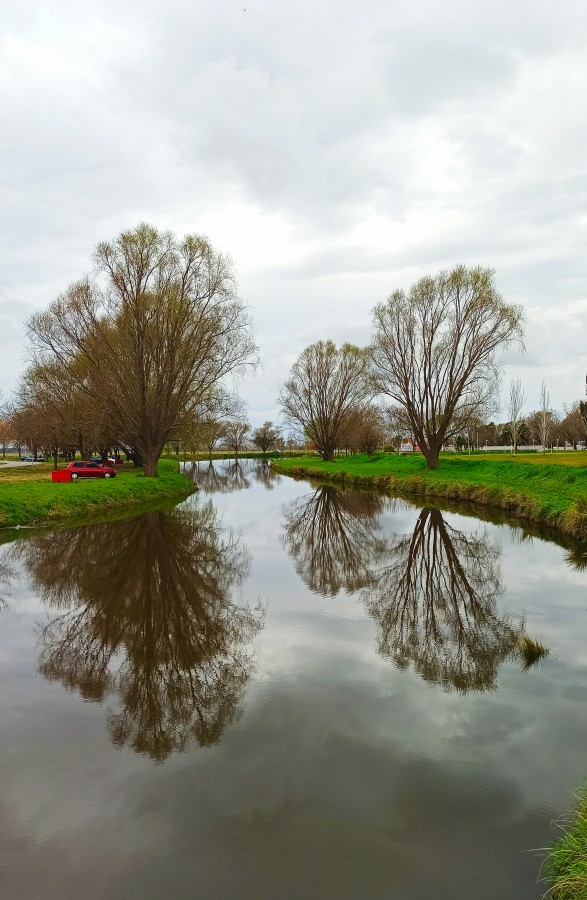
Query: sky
[{"x": 336, "y": 150}]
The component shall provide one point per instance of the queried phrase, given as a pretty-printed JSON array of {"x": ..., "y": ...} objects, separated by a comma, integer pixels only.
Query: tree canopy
[
  {"x": 326, "y": 388},
  {"x": 152, "y": 335},
  {"x": 434, "y": 351}
]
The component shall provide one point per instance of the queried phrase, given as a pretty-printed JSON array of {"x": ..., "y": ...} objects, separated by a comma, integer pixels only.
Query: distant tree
[
  {"x": 326, "y": 383},
  {"x": 571, "y": 429},
  {"x": 235, "y": 436},
  {"x": 543, "y": 421},
  {"x": 266, "y": 436},
  {"x": 153, "y": 337},
  {"x": 369, "y": 432},
  {"x": 523, "y": 434},
  {"x": 5, "y": 434},
  {"x": 434, "y": 351},
  {"x": 210, "y": 434},
  {"x": 515, "y": 405}
]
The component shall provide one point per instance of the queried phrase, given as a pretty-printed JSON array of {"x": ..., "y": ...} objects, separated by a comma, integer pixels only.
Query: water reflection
[
  {"x": 7, "y": 576},
  {"x": 265, "y": 475},
  {"x": 334, "y": 538},
  {"x": 435, "y": 605},
  {"x": 145, "y": 612},
  {"x": 218, "y": 477}
]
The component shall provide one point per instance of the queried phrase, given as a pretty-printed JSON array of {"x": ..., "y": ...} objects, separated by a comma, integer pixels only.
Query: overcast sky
[{"x": 336, "y": 150}]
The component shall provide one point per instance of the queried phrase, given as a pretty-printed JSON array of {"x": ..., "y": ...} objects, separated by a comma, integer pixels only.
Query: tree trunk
[
  {"x": 431, "y": 455},
  {"x": 150, "y": 465},
  {"x": 134, "y": 456},
  {"x": 55, "y": 451}
]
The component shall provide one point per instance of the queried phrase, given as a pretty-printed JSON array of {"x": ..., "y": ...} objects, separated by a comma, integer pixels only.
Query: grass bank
[
  {"x": 553, "y": 493},
  {"x": 29, "y": 497},
  {"x": 566, "y": 862}
]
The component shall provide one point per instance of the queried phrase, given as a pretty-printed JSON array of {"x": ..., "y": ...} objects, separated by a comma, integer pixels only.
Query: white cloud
[{"x": 336, "y": 151}]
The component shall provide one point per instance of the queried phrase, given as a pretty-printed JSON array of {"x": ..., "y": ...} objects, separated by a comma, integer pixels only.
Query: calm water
[{"x": 282, "y": 691}]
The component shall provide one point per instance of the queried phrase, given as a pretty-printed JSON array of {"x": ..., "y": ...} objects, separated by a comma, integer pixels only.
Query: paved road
[{"x": 9, "y": 463}]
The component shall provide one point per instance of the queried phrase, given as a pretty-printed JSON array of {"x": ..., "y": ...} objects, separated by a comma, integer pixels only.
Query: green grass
[
  {"x": 530, "y": 651},
  {"x": 552, "y": 492},
  {"x": 566, "y": 861},
  {"x": 29, "y": 497}
]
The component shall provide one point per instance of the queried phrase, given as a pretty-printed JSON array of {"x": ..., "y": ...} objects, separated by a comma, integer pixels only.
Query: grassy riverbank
[
  {"x": 566, "y": 863},
  {"x": 550, "y": 491},
  {"x": 29, "y": 497}
]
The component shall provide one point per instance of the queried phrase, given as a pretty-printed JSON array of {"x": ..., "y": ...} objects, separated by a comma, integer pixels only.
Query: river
[{"x": 278, "y": 690}]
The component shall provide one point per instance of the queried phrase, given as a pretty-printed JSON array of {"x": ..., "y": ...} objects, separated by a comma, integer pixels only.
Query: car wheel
[
  {"x": 74, "y": 476},
  {"x": 106, "y": 474}
]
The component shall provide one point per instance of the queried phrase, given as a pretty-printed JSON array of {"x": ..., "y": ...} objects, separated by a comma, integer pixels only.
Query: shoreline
[
  {"x": 39, "y": 503},
  {"x": 560, "y": 507}
]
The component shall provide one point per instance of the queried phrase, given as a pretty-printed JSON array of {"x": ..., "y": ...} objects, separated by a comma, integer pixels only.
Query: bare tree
[
  {"x": 515, "y": 405},
  {"x": 434, "y": 351},
  {"x": 572, "y": 427},
  {"x": 325, "y": 386},
  {"x": 369, "y": 432},
  {"x": 235, "y": 436},
  {"x": 544, "y": 417},
  {"x": 153, "y": 336},
  {"x": 266, "y": 437}
]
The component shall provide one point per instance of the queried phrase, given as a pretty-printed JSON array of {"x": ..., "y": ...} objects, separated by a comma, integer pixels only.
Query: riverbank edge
[
  {"x": 25, "y": 506},
  {"x": 566, "y": 861},
  {"x": 571, "y": 521}
]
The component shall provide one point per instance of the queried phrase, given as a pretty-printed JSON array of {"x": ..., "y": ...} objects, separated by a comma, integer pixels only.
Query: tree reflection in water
[
  {"x": 7, "y": 576},
  {"x": 435, "y": 605},
  {"x": 265, "y": 475},
  {"x": 334, "y": 538},
  {"x": 219, "y": 477},
  {"x": 146, "y": 613}
]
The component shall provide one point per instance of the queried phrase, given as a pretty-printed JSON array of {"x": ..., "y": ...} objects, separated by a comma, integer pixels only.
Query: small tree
[
  {"x": 265, "y": 437},
  {"x": 572, "y": 427},
  {"x": 544, "y": 417},
  {"x": 369, "y": 432},
  {"x": 515, "y": 405},
  {"x": 235, "y": 436},
  {"x": 326, "y": 384},
  {"x": 434, "y": 351}
]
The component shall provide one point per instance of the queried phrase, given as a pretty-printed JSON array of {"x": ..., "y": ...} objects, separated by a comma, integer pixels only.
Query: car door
[{"x": 93, "y": 470}]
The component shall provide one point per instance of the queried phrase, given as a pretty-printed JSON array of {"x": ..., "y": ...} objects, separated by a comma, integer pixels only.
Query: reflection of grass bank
[
  {"x": 566, "y": 862},
  {"x": 33, "y": 499},
  {"x": 553, "y": 494}
]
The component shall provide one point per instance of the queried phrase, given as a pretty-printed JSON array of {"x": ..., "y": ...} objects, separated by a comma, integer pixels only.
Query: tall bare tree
[
  {"x": 515, "y": 405},
  {"x": 153, "y": 335},
  {"x": 544, "y": 417},
  {"x": 326, "y": 387},
  {"x": 434, "y": 351}
]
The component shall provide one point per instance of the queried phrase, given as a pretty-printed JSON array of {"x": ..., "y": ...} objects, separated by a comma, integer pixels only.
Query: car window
[
  {"x": 78, "y": 465},
  {"x": 93, "y": 466}
]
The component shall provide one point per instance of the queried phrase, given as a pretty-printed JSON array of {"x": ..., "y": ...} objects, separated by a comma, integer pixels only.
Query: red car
[{"x": 90, "y": 470}]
